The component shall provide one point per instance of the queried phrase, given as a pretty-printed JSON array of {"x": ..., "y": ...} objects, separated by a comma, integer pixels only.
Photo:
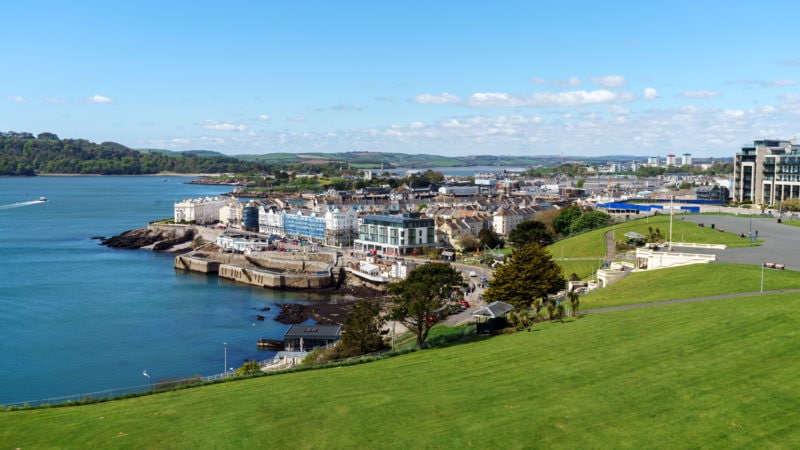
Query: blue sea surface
[{"x": 78, "y": 318}]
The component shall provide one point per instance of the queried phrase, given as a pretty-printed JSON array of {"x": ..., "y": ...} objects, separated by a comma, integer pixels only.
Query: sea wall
[
  {"x": 275, "y": 270},
  {"x": 275, "y": 280}
]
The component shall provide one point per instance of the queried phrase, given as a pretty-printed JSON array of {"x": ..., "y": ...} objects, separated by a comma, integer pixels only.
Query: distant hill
[{"x": 28, "y": 155}]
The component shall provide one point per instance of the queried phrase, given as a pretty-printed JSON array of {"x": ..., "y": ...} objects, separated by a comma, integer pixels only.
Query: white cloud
[
  {"x": 572, "y": 81},
  {"x": 223, "y": 126},
  {"x": 650, "y": 94},
  {"x": 790, "y": 98},
  {"x": 17, "y": 99},
  {"x": 611, "y": 81},
  {"x": 700, "y": 94},
  {"x": 564, "y": 99},
  {"x": 734, "y": 113},
  {"x": 263, "y": 117},
  {"x": 763, "y": 83},
  {"x": 618, "y": 110},
  {"x": 442, "y": 99},
  {"x": 99, "y": 99},
  {"x": 347, "y": 107}
]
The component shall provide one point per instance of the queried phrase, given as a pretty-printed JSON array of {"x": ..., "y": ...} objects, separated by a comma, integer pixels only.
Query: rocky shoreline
[
  {"x": 160, "y": 240},
  {"x": 329, "y": 305}
]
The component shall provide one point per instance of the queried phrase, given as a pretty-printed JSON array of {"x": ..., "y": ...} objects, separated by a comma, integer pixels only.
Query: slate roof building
[{"x": 307, "y": 337}]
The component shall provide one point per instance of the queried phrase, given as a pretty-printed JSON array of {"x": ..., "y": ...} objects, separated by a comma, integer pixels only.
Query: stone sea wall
[{"x": 275, "y": 270}]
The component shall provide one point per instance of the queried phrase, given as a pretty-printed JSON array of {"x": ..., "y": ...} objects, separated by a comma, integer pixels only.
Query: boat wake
[{"x": 20, "y": 204}]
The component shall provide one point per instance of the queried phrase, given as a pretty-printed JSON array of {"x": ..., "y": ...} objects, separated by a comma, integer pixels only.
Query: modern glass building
[
  {"x": 395, "y": 235},
  {"x": 767, "y": 172}
]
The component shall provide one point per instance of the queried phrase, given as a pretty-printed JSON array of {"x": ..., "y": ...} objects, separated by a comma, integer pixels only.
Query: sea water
[{"x": 81, "y": 319}]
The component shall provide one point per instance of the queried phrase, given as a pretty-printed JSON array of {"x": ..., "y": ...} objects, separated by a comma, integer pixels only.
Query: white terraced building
[{"x": 201, "y": 211}]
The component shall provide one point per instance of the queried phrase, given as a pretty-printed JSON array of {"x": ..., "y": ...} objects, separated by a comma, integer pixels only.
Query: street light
[
  {"x": 762, "y": 277},
  {"x": 225, "y": 362},
  {"x": 149, "y": 380}
]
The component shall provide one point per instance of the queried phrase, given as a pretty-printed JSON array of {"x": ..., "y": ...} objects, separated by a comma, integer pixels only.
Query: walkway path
[
  {"x": 689, "y": 300},
  {"x": 611, "y": 246}
]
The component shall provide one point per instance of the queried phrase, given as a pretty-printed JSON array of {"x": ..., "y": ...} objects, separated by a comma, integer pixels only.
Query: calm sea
[{"x": 80, "y": 318}]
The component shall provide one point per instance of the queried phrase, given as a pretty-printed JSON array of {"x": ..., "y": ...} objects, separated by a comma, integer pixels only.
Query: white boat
[{"x": 43, "y": 199}]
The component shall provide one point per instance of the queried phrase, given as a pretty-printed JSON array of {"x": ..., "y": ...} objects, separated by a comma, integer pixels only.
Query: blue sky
[{"x": 451, "y": 78}]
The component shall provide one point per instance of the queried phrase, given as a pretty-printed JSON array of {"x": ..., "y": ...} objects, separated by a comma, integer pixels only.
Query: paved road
[{"x": 780, "y": 243}]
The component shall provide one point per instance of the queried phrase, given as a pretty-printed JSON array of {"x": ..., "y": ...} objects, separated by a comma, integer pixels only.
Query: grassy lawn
[
  {"x": 591, "y": 244},
  {"x": 582, "y": 267},
  {"x": 792, "y": 223},
  {"x": 699, "y": 280},
  {"x": 703, "y": 375},
  {"x": 682, "y": 231}
]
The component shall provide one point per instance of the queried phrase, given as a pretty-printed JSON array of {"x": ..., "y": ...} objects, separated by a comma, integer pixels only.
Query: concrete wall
[
  {"x": 275, "y": 270},
  {"x": 274, "y": 280},
  {"x": 648, "y": 259}
]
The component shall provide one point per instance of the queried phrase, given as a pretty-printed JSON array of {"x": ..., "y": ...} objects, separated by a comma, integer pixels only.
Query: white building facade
[
  {"x": 395, "y": 235},
  {"x": 201, "y": 211},
  {"x": 341, "y": 227},
  {"x": 270, "y": 221}
]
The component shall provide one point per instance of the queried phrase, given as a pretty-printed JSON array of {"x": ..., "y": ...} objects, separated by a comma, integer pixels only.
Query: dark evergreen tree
[
  {"x": 420, "y": 298},
  {"x": 529, "y": 275}
]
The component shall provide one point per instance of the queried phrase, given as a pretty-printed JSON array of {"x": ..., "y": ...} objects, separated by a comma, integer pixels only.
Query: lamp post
[
  {"x": 762, "y": 277},
  {"x": 225, "y": 362}
]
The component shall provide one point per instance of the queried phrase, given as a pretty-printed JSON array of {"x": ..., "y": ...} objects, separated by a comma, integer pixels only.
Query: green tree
[
  {"x": 469, "y": 243},
  {"x": 422, "y": 295},
  {"x": 563, "y": 221},
  {"x": 589, "y": 220},
  {"x": 790, "y": 204},
  {"x": 363, "y": 329},
  {"x": 248, "y": 368},
  {"x": 530, "y": 275},
  {"x": 574, "y": 302},
  {"x": 489, "y": 238},
  {"x": 530, "y": 231}
]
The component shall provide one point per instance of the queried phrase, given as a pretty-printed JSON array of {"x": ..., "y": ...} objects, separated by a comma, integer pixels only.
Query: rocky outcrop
[{"x": 159, "y": 239}]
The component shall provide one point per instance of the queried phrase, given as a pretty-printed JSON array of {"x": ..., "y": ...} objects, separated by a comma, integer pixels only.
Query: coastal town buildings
[
  {"x": 506, "y": 219},
  {"x": 230, "y": 214},
  {"x": 270, "y": 221},
  {"x": 304, "y": 225},
  {"x": 201, "y": 211},
  {"x": 767, "y": 172},
  {"x": 341, "y": 227},
  {"x": 395, "y": 235}
]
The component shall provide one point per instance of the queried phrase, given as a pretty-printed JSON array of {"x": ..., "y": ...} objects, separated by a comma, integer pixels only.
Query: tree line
[{"x": 28, "y": 155}]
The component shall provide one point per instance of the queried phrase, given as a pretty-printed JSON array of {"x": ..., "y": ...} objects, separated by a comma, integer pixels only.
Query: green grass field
[
  {"x": 682, "y": 231},
  {"x": 699, "y": 280},
  {"x": 718, "y": 374}
]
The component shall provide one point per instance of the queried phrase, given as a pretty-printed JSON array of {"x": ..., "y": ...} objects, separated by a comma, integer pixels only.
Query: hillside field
[{"x": 718, "y": 374}]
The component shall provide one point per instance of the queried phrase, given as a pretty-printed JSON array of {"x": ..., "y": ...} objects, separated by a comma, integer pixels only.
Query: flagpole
[{"x": 671, "y": 212}]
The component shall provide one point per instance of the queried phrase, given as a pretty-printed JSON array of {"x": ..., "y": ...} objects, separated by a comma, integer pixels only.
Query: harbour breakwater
[{"x": 275, "y": 270}]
